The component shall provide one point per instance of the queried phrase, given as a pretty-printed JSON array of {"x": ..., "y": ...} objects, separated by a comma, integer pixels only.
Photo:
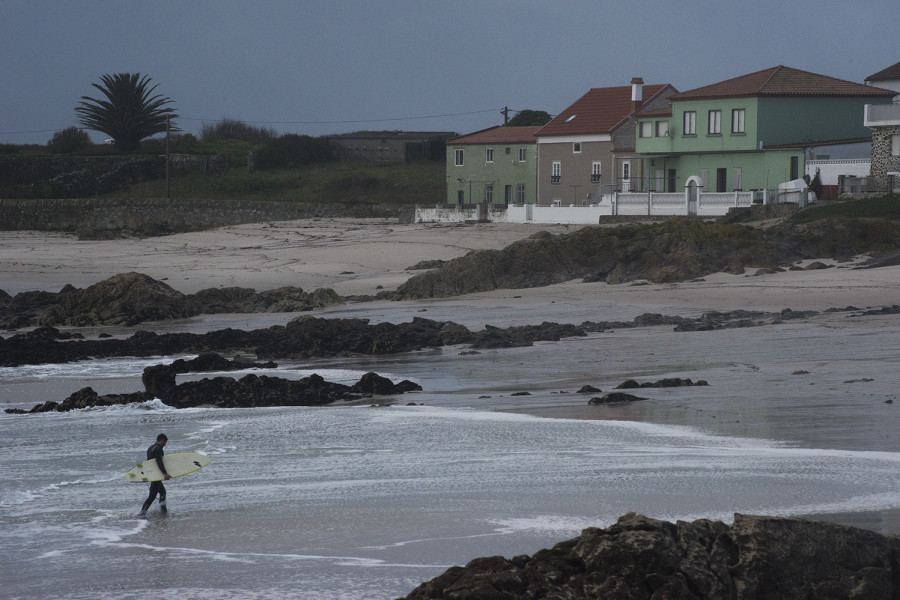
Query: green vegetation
[
  {"x": 530, "y": 117},
  {"x": 69, "y": 141},
  {"x": 884, "y": 207},
  {"x": 420, "y": 182},
  {"x": 129, "y": 113}
]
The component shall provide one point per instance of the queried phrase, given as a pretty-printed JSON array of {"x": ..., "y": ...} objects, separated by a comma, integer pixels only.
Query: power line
[{"x": 474, "y": 112}]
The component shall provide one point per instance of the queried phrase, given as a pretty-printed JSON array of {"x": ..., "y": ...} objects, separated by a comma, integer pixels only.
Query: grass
[
  {"x": 416, "y": 183},
  {"x": 883, "y": 207}
]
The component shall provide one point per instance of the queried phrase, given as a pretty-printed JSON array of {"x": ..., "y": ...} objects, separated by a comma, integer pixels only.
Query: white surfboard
[{"x": 176, "y": 465}]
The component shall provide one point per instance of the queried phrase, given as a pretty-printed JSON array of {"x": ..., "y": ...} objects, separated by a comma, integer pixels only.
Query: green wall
[{"x": 476, "y": 173}]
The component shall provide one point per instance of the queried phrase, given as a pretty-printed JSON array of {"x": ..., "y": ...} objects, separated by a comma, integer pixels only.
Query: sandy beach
[
  {"x": 499, "y": 454},
  {"x": 364, "y": 256}
]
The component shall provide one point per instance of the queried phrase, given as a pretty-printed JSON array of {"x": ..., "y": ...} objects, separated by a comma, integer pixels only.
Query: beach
[{"x": 499, "y": 454}]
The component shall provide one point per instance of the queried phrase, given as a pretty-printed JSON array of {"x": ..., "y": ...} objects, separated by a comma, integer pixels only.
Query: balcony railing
[
  {"x": 623, "y": 143},
  {"x": 554, "y": 179},
  {"x": 882, "y": 115}
]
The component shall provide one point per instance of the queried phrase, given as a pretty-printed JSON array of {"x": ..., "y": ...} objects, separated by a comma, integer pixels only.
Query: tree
[
  {"x": 130, "y": 111},
  {"x": 68, "y": 140},
  {"x": 530, "y": 117}
]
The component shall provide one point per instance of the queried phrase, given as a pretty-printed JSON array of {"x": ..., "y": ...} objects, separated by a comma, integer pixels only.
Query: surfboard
[{"x": 177, "y": 465}]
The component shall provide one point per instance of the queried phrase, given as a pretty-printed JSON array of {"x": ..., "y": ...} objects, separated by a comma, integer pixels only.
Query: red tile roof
[
  {"x": 892, "y": 72},
  {"x": 782, "y": 81},
  {"x": 598, "y": 111},
  {"x": 498, "y": 135}
]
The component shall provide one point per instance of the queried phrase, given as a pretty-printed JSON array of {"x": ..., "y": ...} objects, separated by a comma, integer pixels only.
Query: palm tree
[{"x": 129, "y": 113}]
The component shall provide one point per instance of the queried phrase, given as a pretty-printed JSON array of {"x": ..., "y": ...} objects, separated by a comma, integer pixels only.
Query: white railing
[
  {"x": 653, "y": 204},
  {"x": 881, "y": 115}
]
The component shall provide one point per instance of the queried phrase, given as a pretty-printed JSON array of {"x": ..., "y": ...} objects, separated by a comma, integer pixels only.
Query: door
[
  {"x": 671, "y": 187},
  {"x": 461, "y": 197},
  {"x": 507, "y": 195},
  {"x": 721, "y": 180},
  {"x": 626, "y": 176},
  {"x": 692, "y": 198}
]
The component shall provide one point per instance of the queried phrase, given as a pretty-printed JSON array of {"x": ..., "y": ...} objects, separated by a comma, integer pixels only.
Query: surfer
[{"x": 157, "y": 487}]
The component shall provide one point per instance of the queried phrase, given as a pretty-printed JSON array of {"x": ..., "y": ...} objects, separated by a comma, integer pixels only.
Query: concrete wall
[{"x": 158, "y": 215}]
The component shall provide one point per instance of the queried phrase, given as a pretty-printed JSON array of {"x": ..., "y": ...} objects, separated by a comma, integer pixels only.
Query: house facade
[
  {"x": 497, "y": 165},
  {"x": 578, "y": 149},
  {"x": 752, "y": 132},
  {"x": 884, "y": 122}
]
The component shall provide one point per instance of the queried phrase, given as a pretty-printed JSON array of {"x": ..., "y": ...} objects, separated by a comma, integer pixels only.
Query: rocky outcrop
[
  {"x": 260, "y": 390},
  {"x": 668, "y": 382},
  {"x": 638, "y": 558},
  {"x": 225, "y": 392},
  {"x": 308, "y": 336},
  {"x": 676, "y": 250},
  {"x": 133, "y": 298}
]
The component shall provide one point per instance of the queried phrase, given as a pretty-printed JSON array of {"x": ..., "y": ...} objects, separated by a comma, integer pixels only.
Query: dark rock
[
  {"x": 817, "y": 265},
  {"x": 669, "y": 382},
  {"x": 520, "y": 394},
  {"x": 639, "y": 558},
  {"x": 589, "y": 389},
  {"x": 612, "y": 397}
]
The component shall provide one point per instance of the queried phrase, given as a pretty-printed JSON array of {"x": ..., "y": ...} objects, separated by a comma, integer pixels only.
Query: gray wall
[{"x": 159, "y": 216}]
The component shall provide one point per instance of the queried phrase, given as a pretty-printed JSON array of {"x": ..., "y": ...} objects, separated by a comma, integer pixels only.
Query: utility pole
[
  {"x": 505, "y": 112},
  {"x": 167, "y": 157}
]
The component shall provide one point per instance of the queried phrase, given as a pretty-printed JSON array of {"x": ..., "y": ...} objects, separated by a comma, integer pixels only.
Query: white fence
[{"x": 654, "y": 204}]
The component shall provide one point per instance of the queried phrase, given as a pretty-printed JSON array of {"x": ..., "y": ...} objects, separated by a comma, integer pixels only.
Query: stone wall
[{"x": 161, "y": 216}]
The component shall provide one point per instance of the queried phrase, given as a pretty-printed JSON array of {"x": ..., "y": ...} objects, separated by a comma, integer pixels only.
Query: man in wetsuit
[{"x": 157, "y": 487}]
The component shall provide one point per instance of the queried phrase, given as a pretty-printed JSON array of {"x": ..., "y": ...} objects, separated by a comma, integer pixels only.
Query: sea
[{"x": 500, "y": 454}]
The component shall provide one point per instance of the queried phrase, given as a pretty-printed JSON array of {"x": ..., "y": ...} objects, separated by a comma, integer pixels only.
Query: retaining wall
[{"x": 160, "y": 216}]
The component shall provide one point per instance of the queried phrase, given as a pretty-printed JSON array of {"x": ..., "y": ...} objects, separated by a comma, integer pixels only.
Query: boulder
[{"x": 639, "y": 558}]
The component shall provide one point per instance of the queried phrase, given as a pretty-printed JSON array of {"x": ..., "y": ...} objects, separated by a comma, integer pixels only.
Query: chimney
[{"x": 637, "y": 93}]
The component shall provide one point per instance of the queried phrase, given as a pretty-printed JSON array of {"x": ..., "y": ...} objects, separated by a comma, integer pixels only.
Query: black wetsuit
[{"x": 156, "y": 487}]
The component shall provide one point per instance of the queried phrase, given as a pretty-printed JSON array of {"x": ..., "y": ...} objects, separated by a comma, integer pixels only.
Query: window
[
  {"x": 459, "y": 157},
  {"x": 520, "y": 193},
  {"x": 489, "y": 155},
  {"x": 737, "y": 120},
  {"x": 555, "y": 174},
  {"x": 507, "y": 150},
  {"x": 690, "y": 122},
  {"x": 646, "y": 129},
  {"x": 522, "y": 152},
  {"x": 715, "y": 122},
  {"x": 895, "y": 145},
  {"x": 570, "y": 117},
  {"x": 662, "y": 128},
  {"x": 595, "y": 172},
  {"x": 576, "y": 147},
  {"x": 489, "y": 193}
]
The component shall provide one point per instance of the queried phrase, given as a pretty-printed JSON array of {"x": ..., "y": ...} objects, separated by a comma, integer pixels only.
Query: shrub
[
  {"x": 231, "y": 129},
  {"x": 69, "y": 140},
  {"x": 292, "y": 150}
]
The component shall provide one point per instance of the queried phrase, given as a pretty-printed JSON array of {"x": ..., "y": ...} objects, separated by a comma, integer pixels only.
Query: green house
[
  {"x": 751, "y": 132},
  {"x": 493, "y": 166}
]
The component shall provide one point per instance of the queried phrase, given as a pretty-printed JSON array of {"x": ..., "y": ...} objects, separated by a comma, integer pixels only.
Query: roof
[
  {"x": 892, "y": 72},
  {"x": 785, "y": 82},
  {"x": 598, "y": 111},
  {"x": 499, "y": 135}
]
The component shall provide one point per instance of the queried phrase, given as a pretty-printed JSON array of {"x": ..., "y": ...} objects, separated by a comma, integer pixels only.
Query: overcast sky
[{"x": 321, "y": 67}]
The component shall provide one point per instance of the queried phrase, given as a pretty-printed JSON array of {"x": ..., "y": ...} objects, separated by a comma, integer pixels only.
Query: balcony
[
  {"x": 882, "y": 115},
  {"x": 623, "y": 143},
  {"x": 554, "y": 179}
]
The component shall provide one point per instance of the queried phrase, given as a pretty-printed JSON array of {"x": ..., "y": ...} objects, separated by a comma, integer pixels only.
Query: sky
[{"x": 324, "y": 67}]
